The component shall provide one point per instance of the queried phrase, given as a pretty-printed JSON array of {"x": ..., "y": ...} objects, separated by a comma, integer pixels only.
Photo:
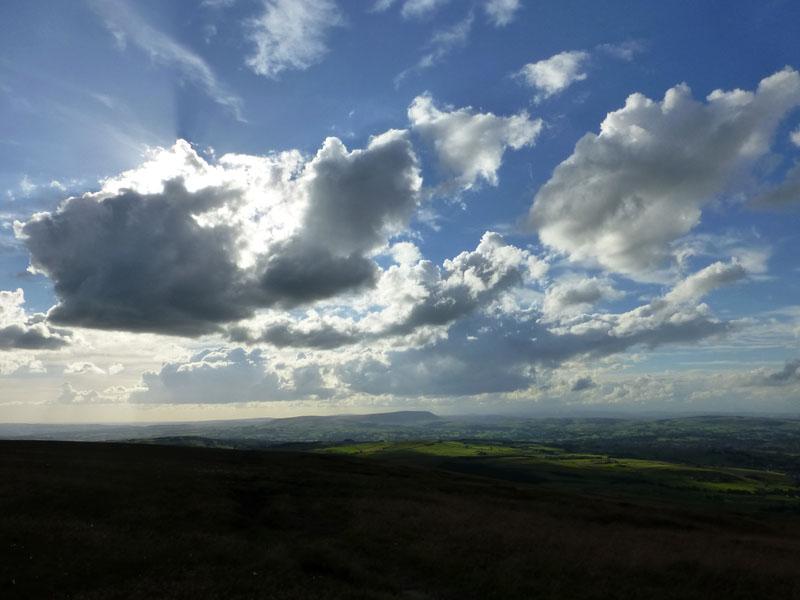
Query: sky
[{"x": 246, "y": 208}]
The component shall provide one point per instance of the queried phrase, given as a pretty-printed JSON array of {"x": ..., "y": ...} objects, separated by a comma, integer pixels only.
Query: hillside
[{"x": 83, "y": 520}]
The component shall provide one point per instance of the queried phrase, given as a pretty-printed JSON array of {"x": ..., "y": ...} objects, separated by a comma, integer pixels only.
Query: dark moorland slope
[{"x": 104, "y": 521}]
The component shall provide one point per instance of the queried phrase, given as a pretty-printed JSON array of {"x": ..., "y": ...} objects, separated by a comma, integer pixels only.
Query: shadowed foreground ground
[{"x": 81, "y": 520}]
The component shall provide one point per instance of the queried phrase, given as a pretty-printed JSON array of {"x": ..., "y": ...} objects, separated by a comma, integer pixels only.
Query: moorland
[{"x": 406, "y": 505}]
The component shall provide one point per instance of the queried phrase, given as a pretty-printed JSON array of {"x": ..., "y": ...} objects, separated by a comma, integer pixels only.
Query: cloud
[
  {"x": 555, "y": 74},
  {"x": 290, "y": 35},
  {"x": 575, "y": 294},
  {"x": 313, "y": 331},
  {"x": 83, "y": 368},
  {"x": 20, "y": 362},
  {"x": 581, "y": 384},
  {"x": 112, "y": 395},
  {"x": 627, "y": 193},
  {"x": 19, "y": 330},
  {"x": 382, "y": 5},
  {"x": 411, "y": 9},
  {"x": 794, "y": 136},
  {"x": 705, "y": 281},
  {"x": 125, "y": 24},
  {"x": 405, "y": 253},
  {"x": 26, "y": 186},
  {"x": 503, "y": 352},
  {"x": 226, "y": 376},
  {"x": 672, "y": 318},
  {"x": 484, "y": 345},
  {"x": 358, "y": 198},
  {"x": 501, "y": 12},
  {"x": 440, "y": 46},
  {"x": 788, "y": 375},
  {"x": 476, "y": 357},
  {"x": 411, "y": 297},
  {"x": 645, "y": 391},
  {"x": 419, "y": 8},
  {"x": 782, "y": 195},
  {"x": 695, "y": 390},
  {"x": 180, "y": 246},
  {"x": 211, "y": 376},
  {"x": 468, "y": 282},
  {"x": 623, "y": 50},
  {"x": 138, "y": 262},
  {"x": 470, "y": 145}
]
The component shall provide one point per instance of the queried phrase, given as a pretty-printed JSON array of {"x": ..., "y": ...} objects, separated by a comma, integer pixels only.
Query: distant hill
[
  {"x": 403, "y": 417},
  {"x": 720, "y": 431},
  {"x": 407, "y": 417}
]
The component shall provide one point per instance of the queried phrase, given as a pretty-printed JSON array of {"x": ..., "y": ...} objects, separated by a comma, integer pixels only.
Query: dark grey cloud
[
  {"x": 299, "y": 272},
  {"x": 37, "y": 337},
  {"x": 790, "y": 373},
  {"x": 139, "y": 262},
  {"x": 454, "y": 366},
  {"x": 166, "y": 262},
  {"x": 285, "y": 332},
  {"x": 581, "y": 384},
  {"x": 484, "y": 354}
]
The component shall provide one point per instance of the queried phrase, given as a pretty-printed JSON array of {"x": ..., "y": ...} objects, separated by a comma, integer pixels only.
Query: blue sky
[{"x": 234, "y": 208}]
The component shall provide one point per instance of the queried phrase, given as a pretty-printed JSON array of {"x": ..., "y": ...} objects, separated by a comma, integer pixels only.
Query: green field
[
  {"x": 745, "y": 462},
  {"x": 596, "y": 473}
]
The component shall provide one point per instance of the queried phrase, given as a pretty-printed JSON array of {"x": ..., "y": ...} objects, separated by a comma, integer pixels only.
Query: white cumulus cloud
[
  {"x": 22, "y": 331},
  {"x": 290, "y": 34},
  {"x": 628, "y": 192},
  {"x": 571, "y": 294},
  {"x": 83, "y": 368},
  {"x": 225, "y": 376},
  {"x": 469, "y": 144},
  {"x": 555, "y": 74},
  {"x": 794, "y": 136},
  {"x": 501, "y": 12}
]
